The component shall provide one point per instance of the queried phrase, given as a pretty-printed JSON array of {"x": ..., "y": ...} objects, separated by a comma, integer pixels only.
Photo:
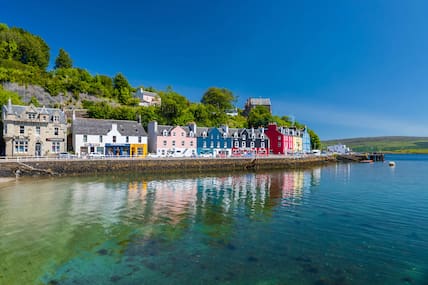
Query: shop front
[{"x": 117, "y": 149}]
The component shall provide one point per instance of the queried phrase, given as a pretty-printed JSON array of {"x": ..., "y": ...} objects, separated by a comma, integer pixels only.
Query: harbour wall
[{"x": 73, "y": 167}]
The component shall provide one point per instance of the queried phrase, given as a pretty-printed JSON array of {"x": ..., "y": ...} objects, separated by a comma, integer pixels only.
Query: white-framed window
[
  {"x": 262, "y": 144},
  {"x": 225, "y": 144},
  {"x": 56, "y": 147},
  {"x": 21, "y": 129},
  {"x": 38, "y": 130},
  {"x": 252, "y": 144},
  {"x": 237, "y": 144},
  {"x": 164, "y": 143},
  {"x": 279, "y": 144},
  {"x": 183, "y": 134},
  {"x": 218, "y": 144},
  {"x": 243, "y": 144},
  {"x": 21, "y": 146},
  {"x": 173, "y": 143},
  {"x": 243, "y": 137},
  {"x": 31, "y": 116},
  {"x": 191, "y": 143},
  {"x": 173, "y": 134},
  {"x": 85, "y": 138},
  {"x": 114, "y": 139},
  {"x": 55, "y": 118},
  {"x": 127, "y": 139},
  {"x": 191, "y": 134},
  {"x": 204, "y": 145},
  {"x": 56, "y": 131},
  {"x": 101, "y": 139},
  {"x": 279, "y": 138},
  {"x": 165, "y": 133},
  {"x": 139, "y": 139},
  {"x": 182, "y": 143},
  {"x": 262, "y": 137},
  {"x": 212, "y": 144}
]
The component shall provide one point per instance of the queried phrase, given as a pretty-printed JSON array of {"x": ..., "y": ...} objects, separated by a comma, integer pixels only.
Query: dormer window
[
  {"x": 224, "y": 135},
  {"x": 253, "y": 136},
  {"x": 204, "y": 134},
  {"x": 262, "y": 137},
  {"x": 31, "y": 116},
  {"x": 165, "y": 133},
  {"x": 55, "y": 118},
  {"x": 191, "y": 134},
  {"x": 243, "y": 137},
  {"x": 235, "y": 135}
]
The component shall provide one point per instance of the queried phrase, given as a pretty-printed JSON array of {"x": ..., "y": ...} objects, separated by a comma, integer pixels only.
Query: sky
[{"x": 344, "y": 68}]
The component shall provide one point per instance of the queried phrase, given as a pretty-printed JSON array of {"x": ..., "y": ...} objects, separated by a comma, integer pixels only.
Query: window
[
  {"x": 243, "y": 137},
  {"x": 164, "y": 143},
  {"x": 204, "y": 145},
  {"x": 5, "y": 129},
  {"x": 173, "y": 134},
  {"x": 55, "y": 147},
  {"x": 191, "y": 143},
  {"x": 56, "y": 131},
  {"x": 218, "y": 144},
  {"x": 182, "y": 143},
  {"x": 139, "y": 139},
  {"x": 165, "y": 133},
  {"x": 139, "y": 151},
  {"x": 182, "y": 134},
  {"x": 101, "y": 139},
  {"x": 31, "y": 116},
  {"x": 114, "y": 139},
  {"x": 204, "y": 134},
  {"x": 279, "y": 144},
  {"x": 243, "y": 144},
  {"x": 21, "y": 129},
  {"x": 225, "y": 144},
  {"x": 38, "y": 131},
  {"x": 21, "y": 146},
  {"x": 212, "y": 144},
  {"x": 55, "y": 118},
  {"x": 127, "y": 139},
  {"x": 279, "y": 138},
  {"x": 85, "y": 138},
  {"x": 262, "y": 144},
  {"x": 253, "y": 136},
  {"x": 191, "y": 134},
  {"x": 173, "y": 143},
  {"x": 236, "y": 144},
  {"x": 252, "y": 144},
  {"x": 262, "y": 137}
]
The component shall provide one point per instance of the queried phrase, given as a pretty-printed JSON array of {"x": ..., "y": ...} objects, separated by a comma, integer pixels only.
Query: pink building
[{"x": 171, "y": 141}]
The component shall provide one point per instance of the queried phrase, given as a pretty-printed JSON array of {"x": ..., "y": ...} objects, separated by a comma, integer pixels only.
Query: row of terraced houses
[{"x": 34, "y": 131}]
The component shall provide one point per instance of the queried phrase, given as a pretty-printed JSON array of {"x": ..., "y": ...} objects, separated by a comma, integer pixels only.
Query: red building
[{"x": 281, "y": 140}]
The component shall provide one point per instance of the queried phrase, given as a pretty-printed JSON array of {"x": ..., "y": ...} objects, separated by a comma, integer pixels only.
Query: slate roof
[
  {"x": 20, "y": 111},
  {"x": 102, "y": 127}
]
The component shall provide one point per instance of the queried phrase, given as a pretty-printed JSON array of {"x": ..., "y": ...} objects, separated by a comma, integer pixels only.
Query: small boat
[
  {"x": 391, "y": 163},
  {"x": 366, "y": 161}
]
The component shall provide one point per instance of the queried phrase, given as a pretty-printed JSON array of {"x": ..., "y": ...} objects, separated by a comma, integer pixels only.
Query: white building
[
  {"x": 147, "y": 98},
  {"x": 339, "y": 148},
  {"x": 108, "y": 137}
]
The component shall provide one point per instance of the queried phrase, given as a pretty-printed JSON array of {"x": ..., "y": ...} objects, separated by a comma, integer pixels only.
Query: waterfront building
[
  {"x": 33, "y": 131},
  {"x": 249, "y": 142},
  {"x": 306, "y": 141},
  {"x": 172, "y": 141},
  {"x": 147, "y": 98},
  {"x": 281, "y": 139},
  {"x": 338, "y": 148},
  {"x": 254, "y": 102},
  {"x": 297, "y": 139},
  {"x": 108, "y": 137},
  {"x": 214, "y": 142}
]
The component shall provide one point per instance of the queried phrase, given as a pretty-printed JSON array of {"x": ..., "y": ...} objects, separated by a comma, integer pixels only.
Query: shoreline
[{"x": 83, "y": 167}]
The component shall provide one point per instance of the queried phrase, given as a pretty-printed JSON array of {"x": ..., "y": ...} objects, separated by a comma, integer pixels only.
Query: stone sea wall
[{"x": 60, "y": 167}]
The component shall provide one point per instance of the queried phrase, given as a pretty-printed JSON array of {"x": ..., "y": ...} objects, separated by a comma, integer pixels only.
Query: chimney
[
  {"x": 192, "y": 127},
  {"x": 9, "y": 105},
  {"x": 74, "y": 115}
]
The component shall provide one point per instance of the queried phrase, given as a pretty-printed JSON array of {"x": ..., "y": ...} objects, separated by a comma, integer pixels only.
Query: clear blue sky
[{"x": 344, "y": 68}]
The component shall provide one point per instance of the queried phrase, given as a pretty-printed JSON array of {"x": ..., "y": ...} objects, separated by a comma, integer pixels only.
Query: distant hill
[{"x": 393, "y": 144}]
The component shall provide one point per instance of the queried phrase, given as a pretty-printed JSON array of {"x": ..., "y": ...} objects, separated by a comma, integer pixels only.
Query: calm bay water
[{"x": 341, "y": 224}]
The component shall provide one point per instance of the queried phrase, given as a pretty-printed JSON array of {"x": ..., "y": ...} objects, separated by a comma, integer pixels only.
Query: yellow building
[{"x": 138, "y": 150}]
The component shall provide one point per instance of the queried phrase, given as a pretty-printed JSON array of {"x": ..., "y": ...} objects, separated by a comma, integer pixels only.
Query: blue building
[
  {"x": 306, "y": 140},
  {"x": 213, "y": 141}
]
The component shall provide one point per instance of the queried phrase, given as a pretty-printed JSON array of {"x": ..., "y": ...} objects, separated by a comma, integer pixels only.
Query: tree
[
  {"x": 315, "y": 140},
  {"x": 63, "y": 60},
  {"x": 259, "y": 116},
  {"x": 221, "y": 98},
  {"x": 122, "y": 88}
]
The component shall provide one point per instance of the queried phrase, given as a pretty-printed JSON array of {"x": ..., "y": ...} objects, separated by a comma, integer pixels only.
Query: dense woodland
[{"x": 24, "y": 59}]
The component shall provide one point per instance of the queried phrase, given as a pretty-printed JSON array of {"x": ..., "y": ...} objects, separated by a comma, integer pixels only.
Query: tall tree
[
  {"x": 63, "y": 60},
  {"x": 259, "y": 116},
  {"x": 221, "y": 98}
]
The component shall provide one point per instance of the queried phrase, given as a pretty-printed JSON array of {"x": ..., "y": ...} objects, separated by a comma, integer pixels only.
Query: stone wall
[{"x": 58, "y": 167}]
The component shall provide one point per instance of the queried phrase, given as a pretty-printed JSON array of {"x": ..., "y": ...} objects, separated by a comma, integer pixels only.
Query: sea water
[{"x": 340, "y": 224}]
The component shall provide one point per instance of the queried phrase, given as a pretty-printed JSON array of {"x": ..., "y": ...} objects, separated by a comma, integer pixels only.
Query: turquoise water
[{"x": 341, "y": 224}]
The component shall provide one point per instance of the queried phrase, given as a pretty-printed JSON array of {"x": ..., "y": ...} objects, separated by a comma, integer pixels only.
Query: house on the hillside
[
  {"x": 33, "y": 131},
  {"x": 254, "y": 102},
  {"x": 172, "y": 141},
  {"x": 108, "y": 137},
  {"x": 148, "y": 98},
  {"x": 338, "y": 148}
]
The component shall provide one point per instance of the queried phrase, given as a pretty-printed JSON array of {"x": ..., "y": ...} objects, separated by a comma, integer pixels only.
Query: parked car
[
  {"x": 64, "y": 155},
  {"x": 96, "y": 155}
]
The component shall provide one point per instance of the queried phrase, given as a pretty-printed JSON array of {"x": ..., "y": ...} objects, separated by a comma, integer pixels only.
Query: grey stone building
[{"x": 32, "y": 131}]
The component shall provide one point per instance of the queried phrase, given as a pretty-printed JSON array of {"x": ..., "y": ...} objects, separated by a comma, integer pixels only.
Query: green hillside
[{"x": 393, "y": 144}]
